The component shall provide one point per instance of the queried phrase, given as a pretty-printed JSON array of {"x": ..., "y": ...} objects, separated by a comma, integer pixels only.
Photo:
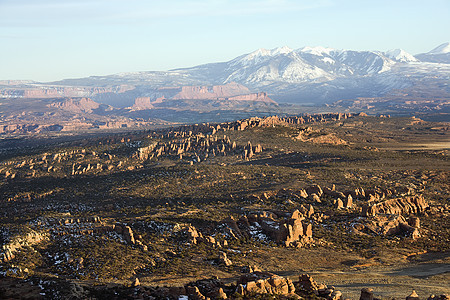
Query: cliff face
[
  {"x": 211, "y": 92},
  {"x": 61, "y": 92},
  {"x": 40, "y": 93},
  {"x": 253, "y": 97},
  {"x": 228, "y": 94},
  {"x": 142, "y": 103},
  {"x": 85, "y": 105}
]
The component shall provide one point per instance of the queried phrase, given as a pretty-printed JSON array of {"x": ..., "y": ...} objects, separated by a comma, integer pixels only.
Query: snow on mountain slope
[
  {"x": 441, "y": 49},
  {"x": 276, "y": 65},
  {"x": 440, "y": 54},
  {"x": 364, "y": 62},
  {"x": 262, "y": 54},
  {"x": 400, "y": 55},
  {"x": 317, "y": 64},
  {"x": 319, "y": 51}
]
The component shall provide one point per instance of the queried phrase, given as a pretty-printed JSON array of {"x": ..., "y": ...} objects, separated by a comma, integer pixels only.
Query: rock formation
[
  {"x": 196, "y": 147},
  {"x": 265, "y": 283},
  {"x": 404, "y": 205},
  {"x": 307, "y": 283},
  {"x": 141, "y": 103},
  {"x": 76, "y": 105},
  {"x": 293, "y": 230},
  {"x": 413, "y": 296},
  {"x": 224, "y": 259},
  {"x": 366, "y": 294},
  {"x": 388, "y": 225},
  {"x": 20, "y": 241}
]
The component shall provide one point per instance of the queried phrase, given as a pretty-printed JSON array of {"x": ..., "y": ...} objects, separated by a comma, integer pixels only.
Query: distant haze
[{"x": 51, "y": 39}]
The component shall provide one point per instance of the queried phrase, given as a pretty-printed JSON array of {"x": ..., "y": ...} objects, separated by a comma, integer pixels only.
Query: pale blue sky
[{"x": 55, "y": 39}]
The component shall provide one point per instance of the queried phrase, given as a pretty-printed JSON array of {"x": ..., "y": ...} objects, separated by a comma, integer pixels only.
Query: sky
[{"x": 47, "y": 40}]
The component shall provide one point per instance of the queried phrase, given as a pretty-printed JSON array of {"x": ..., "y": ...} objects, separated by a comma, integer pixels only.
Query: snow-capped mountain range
[
  {"x": 305, "y": 75},
  {"x": 308, "y": 64}
]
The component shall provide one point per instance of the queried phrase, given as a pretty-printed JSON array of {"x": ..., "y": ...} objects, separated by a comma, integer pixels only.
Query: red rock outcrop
[
  {"x": 76, "y": 105},
  {"x": 265, "y": 283},
  {"x": 126, "y": 232},
  {"x": 413, "y": 296},
  {"x": 314, "y": 189},
  {"x": 289, "y": 231},
  {"x": 227, "y": 92},
  {"x": 366, "y": 294},
  {"x": 142, "y": 103},
  {"x": 307, "y": 283},
  {"x": 260, "y": 97},
  {"x": 206, "y": 289},
  {"x": 405, "y": 205},
  {"x": 388, "y": 225},
  {"x": 20, "y": 241},
  {"x": 221, "y": 92},
  {"x": 50, "y": 91}
]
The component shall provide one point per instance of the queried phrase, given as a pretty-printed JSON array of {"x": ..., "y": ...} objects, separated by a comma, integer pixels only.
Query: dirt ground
[
  {"x": 391, "y": 274},
  {"x": 388, "y": 282},
  {"x": 422, "y": 146}
]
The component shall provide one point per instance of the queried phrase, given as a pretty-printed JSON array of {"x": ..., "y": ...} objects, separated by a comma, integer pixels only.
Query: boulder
[
  {"x": 224, "y": 259},
  {"x": 232, "y": 224},
  {"x": 307, "y": 283},
  {"x": 176, "y": 292},
  {"x": 335, "y": 295},
  {"x": 296, "y": 214},
  {"x": 314, "y": 197},
  {"x": 366, "y": 294},
  {"x": 290, "y": 231},
  {"x": 310, "y": 211},
  {"x": 136, "y": 282},
  {"x": 338, "y": 204},
  {"x": 192, "y": 233},
  {"x": 441, "y": 297},
  {"x": 206, "y": 289},
  {"x": 307, "y": 230},
  {"x": 194, "y": 293},
  {"x": 302, "y": 193},
  {"x": 348, "y": 202},
  {"x": 306, "y": 211},
  {"x": 221, "y": 294},
  {"x": 128, "y": 235},
  {"x": 250, "y": 269},
  {"x": 314, "y": 189},
  {"x": 414, "y": 221},
  {"x": 413, "y": 296}
]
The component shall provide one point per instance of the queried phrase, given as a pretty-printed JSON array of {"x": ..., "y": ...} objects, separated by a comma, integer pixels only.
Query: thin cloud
[
  {"x": 221, "y": 8},
  {"x": 59, "y": 13}
]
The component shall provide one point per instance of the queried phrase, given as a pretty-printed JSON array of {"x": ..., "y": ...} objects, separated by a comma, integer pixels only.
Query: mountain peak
[
  {"x": 262, "y": 54},
  {"x": 319, "y": 50},
  {"x": 281, "y": 50},
  {"x": 400, "y": 55},
  {"x": 441, "y": 49},
  {"x": 259, "y": 52},
  {"x": 272, "y": 52}
]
